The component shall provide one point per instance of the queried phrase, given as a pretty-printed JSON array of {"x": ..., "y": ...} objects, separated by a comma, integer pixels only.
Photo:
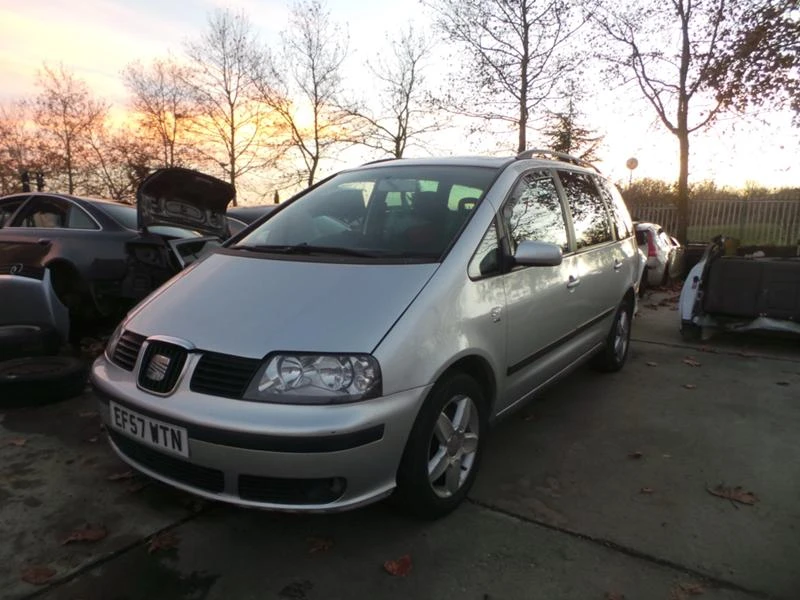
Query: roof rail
[
  {"x": 559, "y": 155},
  {"x": 380, "y": 160}
]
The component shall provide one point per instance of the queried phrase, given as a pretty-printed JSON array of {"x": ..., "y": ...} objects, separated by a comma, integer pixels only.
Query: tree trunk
[{"x": 683, "y": 187}]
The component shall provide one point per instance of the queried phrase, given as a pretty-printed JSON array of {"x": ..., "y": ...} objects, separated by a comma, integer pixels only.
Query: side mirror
[{"x": 537, "y": 254}]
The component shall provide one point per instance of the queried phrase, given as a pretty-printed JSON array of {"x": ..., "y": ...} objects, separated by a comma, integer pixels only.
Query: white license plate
[{"x": 152, "y": 432}]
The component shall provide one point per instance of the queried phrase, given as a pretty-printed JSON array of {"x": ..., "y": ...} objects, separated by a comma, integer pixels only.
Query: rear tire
[
  {"x": 613, "y": 356},
  {"x": 444, "y": 449},
  {"x": 41, "y": 380}
]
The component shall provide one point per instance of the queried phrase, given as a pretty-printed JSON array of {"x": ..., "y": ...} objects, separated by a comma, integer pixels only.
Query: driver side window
[{"x": 534, "y": 212}]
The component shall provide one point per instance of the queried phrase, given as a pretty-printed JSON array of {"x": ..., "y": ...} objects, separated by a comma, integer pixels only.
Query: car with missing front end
[
  {"x": 359, "y": 341},
  {"x": 741, "y": 288}
]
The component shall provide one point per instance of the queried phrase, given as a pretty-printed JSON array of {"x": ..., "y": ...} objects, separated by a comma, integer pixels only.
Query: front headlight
[{"x": 296, "y": 378}]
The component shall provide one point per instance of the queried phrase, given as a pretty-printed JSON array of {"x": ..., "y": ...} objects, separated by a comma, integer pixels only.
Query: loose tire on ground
[
  {"x": 41, "y": 380},
  {"x": 28, "y": 340},
  {"x": 448, "y": 434},
  {"x": 613, "y": 356}
]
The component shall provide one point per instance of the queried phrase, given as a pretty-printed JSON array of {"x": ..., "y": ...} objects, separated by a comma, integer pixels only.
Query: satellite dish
[{"x": 632, "y": 163}]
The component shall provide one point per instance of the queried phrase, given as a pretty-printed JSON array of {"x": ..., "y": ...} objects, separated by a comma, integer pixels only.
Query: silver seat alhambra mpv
[{"x": 357, "y": 342}]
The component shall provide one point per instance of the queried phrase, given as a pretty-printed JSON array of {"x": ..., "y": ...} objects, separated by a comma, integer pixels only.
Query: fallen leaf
[
  {"x": 682, "y": 591},
  {"x": 689, "y": 386},
  {"x": 18, "y": 442},
  {"x": 666, "y": 455},
  {"x": 694, "y": 589},
  {"x": 317, "y": 544},
  {"x": 166, "y": 540},
  {"x": 38, "y": 574},
  {"x": 636, "y": 454},
  {"x": 400, "y": 567},
  {"x": 784, "y": 383},
  {"x": 124, "y": 475},
  {"x": 651, "y": 364},
  {"x": 136, "y": 486},
  {"x": 87, "y": 534},
  {"x": 88, "y": 414},
  {"x": 614, "y": 596},
  {"x": 691, "y": 361},
  {"x": 92, "y": 439},
  {"x": 736, "y": 494},
  {"x": 646, "y": 490}
]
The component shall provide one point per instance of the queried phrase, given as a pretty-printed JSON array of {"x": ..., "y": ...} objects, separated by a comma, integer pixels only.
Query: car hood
[
  {"x": 249, "y": 306},
  {"x": 184, "y": 198}
]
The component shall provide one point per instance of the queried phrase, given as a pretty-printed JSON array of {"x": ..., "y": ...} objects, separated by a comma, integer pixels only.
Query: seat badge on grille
[{"x": 157, "y": 369}]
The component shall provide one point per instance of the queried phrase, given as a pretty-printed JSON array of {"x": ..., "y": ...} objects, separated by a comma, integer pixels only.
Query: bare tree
[
  {"x": 118, "y": 162},
  {"x": 405, "y": 112},
  {"x": 20, "y": 148},
  {"x": 231, "y": 119},
  {"x": 164, "y": 104},
  {"x": 302, "y": 84},
  {"x": 516, "y": 56},
  {"x": 66, "y": 113},
  {"x": 670, "y": 49}
]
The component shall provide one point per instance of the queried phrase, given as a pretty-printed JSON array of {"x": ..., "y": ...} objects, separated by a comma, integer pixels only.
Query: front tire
[
  {"x": 613, "y": 356},
  {"x": 444, "y": 449}
]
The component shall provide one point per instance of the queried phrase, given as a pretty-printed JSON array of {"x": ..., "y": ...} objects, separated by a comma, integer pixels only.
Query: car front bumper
[{"x": 273, "y": 456}]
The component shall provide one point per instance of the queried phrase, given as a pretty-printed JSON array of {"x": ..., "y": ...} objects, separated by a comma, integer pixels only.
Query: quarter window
[
  {"x": 619, "y": 211},
  {"x": 534, "y": 212},
  {"x": 589, "y": 216},
  {"x": 486, "y": 260}
]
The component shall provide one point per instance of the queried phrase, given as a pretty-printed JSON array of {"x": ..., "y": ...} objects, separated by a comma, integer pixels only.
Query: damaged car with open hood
[
  {"x": 357, "y": 341},
  {"x": 102, "y": 256}
]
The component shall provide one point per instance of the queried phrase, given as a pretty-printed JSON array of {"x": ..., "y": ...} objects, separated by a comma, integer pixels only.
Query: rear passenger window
[
  {"x": 534, "y": 212},
  {"x": 589, "y": 216},
  {"x": 619, "y": 211}
]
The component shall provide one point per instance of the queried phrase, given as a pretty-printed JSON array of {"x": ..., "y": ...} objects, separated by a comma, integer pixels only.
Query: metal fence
[{"x": 753, "y": 220}]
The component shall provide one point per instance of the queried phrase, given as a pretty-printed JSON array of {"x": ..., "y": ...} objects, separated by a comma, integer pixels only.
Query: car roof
[{"x": 496, "y": 162}]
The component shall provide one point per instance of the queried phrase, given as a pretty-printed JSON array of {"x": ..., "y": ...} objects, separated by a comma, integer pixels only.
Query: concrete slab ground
[{"x": 598, "y": 489}]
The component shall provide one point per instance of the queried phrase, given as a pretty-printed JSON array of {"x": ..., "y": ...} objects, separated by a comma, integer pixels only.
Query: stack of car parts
[{"x": 33, "y": 326}]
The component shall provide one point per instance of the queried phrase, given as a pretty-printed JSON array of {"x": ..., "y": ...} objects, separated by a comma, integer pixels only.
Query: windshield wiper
[{"x": 306, "y": 248}]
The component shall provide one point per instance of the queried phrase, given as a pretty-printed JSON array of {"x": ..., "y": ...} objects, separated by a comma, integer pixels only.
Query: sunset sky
[{"x": 97, "y": 38}]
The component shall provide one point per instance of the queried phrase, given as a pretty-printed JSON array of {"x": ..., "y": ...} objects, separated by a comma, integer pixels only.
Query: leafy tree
[
  {"x": 66, "y": 115},
  {"x": 302, "y": 84},
  {"x": 516, "y": 56},
  {"x": 760, "y": 62},
  {"x": 565, "y": 134},
  {"x": 676, "y": 52}
]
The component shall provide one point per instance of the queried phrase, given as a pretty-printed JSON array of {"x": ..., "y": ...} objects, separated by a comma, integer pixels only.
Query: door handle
[
  {"x": 617, "y": 264},
  {"x": 573, "y": 282}
]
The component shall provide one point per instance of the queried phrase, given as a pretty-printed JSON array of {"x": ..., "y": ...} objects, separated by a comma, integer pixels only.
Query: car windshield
[{"x": 393, "y": 211}]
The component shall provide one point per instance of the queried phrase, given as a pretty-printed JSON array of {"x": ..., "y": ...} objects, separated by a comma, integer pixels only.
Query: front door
[{"x": 539, "y": 300}]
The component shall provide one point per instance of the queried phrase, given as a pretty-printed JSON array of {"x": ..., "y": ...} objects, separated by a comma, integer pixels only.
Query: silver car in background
[{"x": 359, "y": 341}]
